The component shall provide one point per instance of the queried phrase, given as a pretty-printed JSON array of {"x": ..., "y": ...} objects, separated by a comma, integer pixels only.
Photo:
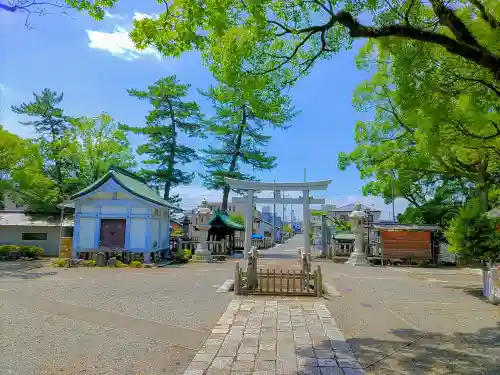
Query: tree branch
[{"x": 485, "y": 15}]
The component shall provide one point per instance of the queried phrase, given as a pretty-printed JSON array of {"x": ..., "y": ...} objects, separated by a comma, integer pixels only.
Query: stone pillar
[
  {"x": 306, "y": 223},
  {"x": 358, "y": 256},
  {"x": 248, "y": 223}
]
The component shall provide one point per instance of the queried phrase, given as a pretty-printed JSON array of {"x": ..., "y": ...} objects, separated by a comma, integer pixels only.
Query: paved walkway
[{"x": 275, "y": 337}]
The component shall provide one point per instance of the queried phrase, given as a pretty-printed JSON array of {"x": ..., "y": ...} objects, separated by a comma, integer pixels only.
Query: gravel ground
[
  {"x": 415, "y": 321},
  {"x": 104, "y": 321}
]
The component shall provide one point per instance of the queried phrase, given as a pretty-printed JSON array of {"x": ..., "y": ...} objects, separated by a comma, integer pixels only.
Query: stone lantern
[
  {"x": 202, "y": 253},
  {"x": 358, "y": 256}
]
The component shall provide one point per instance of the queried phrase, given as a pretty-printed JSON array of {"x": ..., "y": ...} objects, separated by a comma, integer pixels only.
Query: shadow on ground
[
  {"x": 25, "y": 274},
  {"x": 427, "y": 353},
  {"x": 470, "y": 290}
]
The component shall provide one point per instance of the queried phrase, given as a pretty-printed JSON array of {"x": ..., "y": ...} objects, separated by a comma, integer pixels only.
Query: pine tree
[
  {"x": 53, "y": 135},
  {"x": 239, "y": 126},
  {"x": 170, "y": 116}
]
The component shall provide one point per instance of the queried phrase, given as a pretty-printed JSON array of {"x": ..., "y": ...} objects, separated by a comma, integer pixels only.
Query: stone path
[{"x": 275, "y": 337}]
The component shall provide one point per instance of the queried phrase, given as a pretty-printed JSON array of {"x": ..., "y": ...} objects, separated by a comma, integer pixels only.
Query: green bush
[
  {"x": 136, "y": 264},
  {"x": 60, "y": 263},
  {"x": 474, "y": 235},
  {"x": 6, "y": 249},
  {"x": 31, "y": 251},
  {"x": 120, "y": 264},
  {"x": 89, "y": 263},
  {"x": 183, "y": 256}
]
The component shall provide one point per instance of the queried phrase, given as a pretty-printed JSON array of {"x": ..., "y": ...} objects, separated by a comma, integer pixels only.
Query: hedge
[{"x": 24, "y": 251}]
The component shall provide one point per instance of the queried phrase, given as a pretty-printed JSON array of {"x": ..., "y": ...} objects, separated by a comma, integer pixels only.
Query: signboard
[
  {"x": 318, "y": 213},
  {"x": 405, "y": 244}
]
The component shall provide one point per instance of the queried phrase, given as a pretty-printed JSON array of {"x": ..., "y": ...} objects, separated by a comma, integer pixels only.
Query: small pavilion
[{"x": 221, "y": 227}]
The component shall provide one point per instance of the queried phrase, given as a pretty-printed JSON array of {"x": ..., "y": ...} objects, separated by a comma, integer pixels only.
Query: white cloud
[
  {"x": 118, "y": 42},
  {"x": 140, "y": 16},
  {"x": 113, "y": 15},
  {"x": 2, "y": 87},
  {"x": 192, "y": 195}
]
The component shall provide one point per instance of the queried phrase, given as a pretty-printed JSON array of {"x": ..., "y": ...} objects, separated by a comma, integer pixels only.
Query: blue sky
[{"x": 95, "y": 62}]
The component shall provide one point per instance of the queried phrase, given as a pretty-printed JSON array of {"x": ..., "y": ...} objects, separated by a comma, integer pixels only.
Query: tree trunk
[
  {"x": 234, "y": 158},
  {"x": 173, "y": 149}
]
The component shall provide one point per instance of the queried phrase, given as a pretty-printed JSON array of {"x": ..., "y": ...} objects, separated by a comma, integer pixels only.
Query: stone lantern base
[
  {"x": 202, "y": 255},
  {"x": 358, "y": 259}
]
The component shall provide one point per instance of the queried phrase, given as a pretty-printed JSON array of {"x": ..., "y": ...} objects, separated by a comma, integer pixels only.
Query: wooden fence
[
  {"x": 279, "y": 282},
  {"x": 217, "y": 247}
]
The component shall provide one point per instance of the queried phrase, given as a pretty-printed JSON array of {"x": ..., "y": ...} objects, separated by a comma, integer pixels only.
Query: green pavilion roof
[
  {"x": 226, "y": 220},
  {"x": 129, "y": 182}
]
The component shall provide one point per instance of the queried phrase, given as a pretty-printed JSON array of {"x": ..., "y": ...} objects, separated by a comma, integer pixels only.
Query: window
[
  {"x": 34, "y": 236},
  {"x": 67, "y": 232},
  {"x": 19, "y": 205}
]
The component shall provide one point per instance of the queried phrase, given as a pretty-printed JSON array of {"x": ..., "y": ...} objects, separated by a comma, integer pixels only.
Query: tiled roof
[
  {"x": 131, "y": 183},
  {"x": 226, "y": 220},
  {"x": 33, "y": 220}
]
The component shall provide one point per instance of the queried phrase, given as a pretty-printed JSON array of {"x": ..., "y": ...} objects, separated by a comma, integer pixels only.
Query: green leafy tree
[
  {"x": 290, "y": 36},
  {"x": 21, "y": 173},
  {"x": 53, "y": 135},
  {"x": 238, "y": 127},
  {"x": 474, "y": 235},
  {"x": 170, "y": 116},
  {"x": 100, "y": 144}
]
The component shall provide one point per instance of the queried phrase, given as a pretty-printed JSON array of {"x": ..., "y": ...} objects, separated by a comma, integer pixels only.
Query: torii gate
[{"x": 253, "y": 186}]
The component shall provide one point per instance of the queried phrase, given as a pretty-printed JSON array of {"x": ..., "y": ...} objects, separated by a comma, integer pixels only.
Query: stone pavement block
[
  {"x": 309, "y": 371},
  {"x": 340, "y": 345},
  {"x": 208, "y": 349},
  {"x": 242, "y": 366},
  {"x": 217, "y": 371},
  {"x": 324, "y": 354},
  {"x": 264, "y": 372},
  {"x": 261, "y": 364},
  {"x": 248, "y": 349},
  {"x": 245, "y": 357},
  {"x": 267, "y": 355},
  {"x": 354, "y": 371},
  {"x": 204, "y": 357},
  {"x": 307, "y": 362},
  {"x": 327, "y": 362},
  {"x": 331, "y": 371},
  {"x": 197, "y": 366},
  {"x": 348, "y": 363},
  {"x": 194, "y": 371},
  {"x": 221, "y": 363},
  {"x": 286, "y": 366}
]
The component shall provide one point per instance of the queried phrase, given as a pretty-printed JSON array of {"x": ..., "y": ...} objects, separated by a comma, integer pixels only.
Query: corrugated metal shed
[{"x": 34, "y": 220}]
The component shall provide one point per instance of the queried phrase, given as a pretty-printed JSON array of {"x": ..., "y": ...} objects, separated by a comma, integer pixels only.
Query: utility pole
[
  {"x": 305, "y": 175},
  {"x": 274, "y": 218}
]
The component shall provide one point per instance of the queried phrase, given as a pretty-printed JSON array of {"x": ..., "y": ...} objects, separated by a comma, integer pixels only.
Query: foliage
[
  {"x": 474, "y": 235},
  {"x": 99, "y": 144},
  {"x": 90, "y": 263},
  {"x": 120, "y": 264},
  {"x": 135, "y": 264},
  {"x": 288, "y": 37},
  {"x": 170, "y": 117},
  {"x": 96, "y": 8},
  {"x": 237, "y": 218},
  {"x": 6, "y": 249},
  {"x": 183, "y": 256},
  {"x": 288, "y": 229},
  {"x": 60, "y": 262},
  {"x": 238, "y": 127},
  {"x": 31, "y": 251}
]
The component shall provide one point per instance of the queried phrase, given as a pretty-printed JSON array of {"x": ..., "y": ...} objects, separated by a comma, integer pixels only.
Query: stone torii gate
[{"x": 251, "y": 187}]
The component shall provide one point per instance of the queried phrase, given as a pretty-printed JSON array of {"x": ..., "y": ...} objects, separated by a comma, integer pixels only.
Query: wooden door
[{"x": 113, "y": 233}]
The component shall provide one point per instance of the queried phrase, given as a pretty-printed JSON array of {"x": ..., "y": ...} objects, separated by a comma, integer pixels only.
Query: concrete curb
[{"x": 226, "y": 287}]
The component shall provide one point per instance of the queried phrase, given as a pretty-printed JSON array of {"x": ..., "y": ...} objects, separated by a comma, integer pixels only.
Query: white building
[{"x": 342, "y": 213}]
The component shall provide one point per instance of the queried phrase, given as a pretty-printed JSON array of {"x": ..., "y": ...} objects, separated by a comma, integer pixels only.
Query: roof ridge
[{"x": 127, "y": 173}]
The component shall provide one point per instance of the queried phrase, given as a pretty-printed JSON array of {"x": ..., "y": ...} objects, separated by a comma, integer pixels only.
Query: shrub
[
  {"x": 120, "y": 264},
  {"x": 31, "y": 251},
  {"x": 474, "y": 235},
  {"x": 89, "y": 263},
  {"x": 60, "y": 262},
  {"x": 6, "y": 249},
  {"x": 183, "y": 256},
  {"x": 136, "y": 264}
]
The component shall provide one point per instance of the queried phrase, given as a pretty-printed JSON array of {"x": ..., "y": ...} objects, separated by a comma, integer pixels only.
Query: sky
[{"x": 95, "y": 62}]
